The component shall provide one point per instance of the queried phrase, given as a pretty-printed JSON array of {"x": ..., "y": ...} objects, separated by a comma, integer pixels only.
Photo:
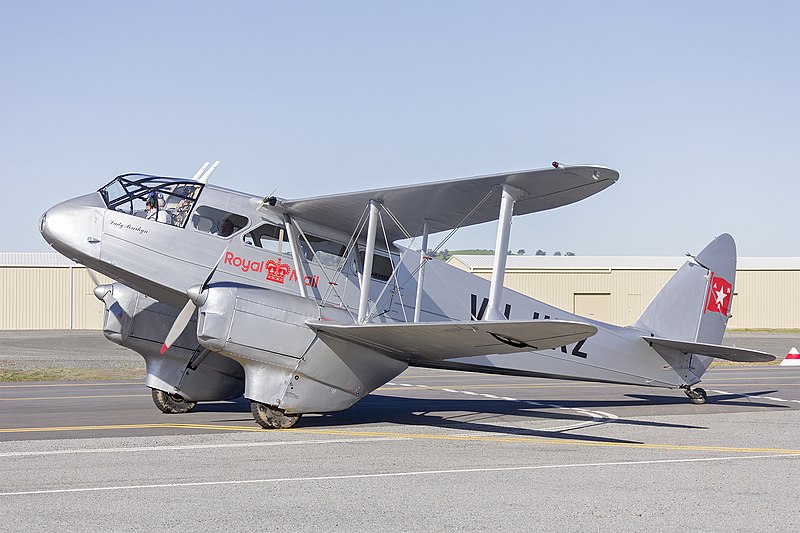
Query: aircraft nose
[{"x": 73, "y": 227}]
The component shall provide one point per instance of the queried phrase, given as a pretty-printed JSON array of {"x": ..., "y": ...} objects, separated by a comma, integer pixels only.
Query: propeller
[
  {"x": 101, "y": 290},
  {"x": 197, "y": 298}
]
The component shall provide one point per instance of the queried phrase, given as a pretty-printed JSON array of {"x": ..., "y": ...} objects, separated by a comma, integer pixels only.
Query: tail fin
[{"x": 694, "y": 304}]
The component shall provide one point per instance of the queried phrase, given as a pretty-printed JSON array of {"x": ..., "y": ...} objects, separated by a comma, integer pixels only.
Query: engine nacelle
[
  {"x": 287, "y": 365},
  {"x": 141, "y": 323}
]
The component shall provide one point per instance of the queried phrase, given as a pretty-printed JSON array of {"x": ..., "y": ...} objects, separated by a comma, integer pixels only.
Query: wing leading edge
[
  {"x": 435, "y": 341},
  {"x": 461, "y": 202}
]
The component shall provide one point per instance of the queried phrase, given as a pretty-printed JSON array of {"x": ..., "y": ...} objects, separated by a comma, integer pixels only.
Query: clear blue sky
[{"x": 696, "y": 103}]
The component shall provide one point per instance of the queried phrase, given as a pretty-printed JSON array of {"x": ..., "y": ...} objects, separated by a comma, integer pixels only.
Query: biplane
[{"x": 308, "y": 305}]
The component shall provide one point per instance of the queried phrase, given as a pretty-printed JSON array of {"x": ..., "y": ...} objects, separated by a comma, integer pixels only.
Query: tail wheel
[
  {"x": 271, "y": 418},
  {"x": 697, "y": 396},
  {"x": 171, "y": 403}
]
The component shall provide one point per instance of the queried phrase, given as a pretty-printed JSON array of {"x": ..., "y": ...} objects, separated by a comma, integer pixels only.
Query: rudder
[{"x": 694, "y": 304}]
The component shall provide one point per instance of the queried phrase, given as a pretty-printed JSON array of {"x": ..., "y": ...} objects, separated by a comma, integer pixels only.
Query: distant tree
[
  {"x": 541, "y": 252},
  {"x": 521, "y": 251},
  {"x": 557, "y": 253},
  {"x": 570, "y": 254}
]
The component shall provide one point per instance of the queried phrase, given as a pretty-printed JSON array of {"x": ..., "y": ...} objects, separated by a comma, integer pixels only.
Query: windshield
[{"x": 166, "y": 200}]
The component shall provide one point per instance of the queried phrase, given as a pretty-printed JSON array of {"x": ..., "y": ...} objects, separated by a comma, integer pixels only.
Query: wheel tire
[
  {"x": 271, "y": 418},
  {"x": 171, "y": 404},
  {"x": 697, "y": 396}
]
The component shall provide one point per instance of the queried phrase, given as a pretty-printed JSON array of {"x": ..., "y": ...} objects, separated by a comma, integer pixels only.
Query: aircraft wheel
[
  {"x": 697, "y": 396},
  {"x": 271, "y": 418},
  {"x": 171, "y": 403}
]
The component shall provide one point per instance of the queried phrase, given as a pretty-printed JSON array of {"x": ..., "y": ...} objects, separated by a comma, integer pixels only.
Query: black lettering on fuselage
[
  {"x": 576, "y": 350},
  {"x": 477, "y": 314}
]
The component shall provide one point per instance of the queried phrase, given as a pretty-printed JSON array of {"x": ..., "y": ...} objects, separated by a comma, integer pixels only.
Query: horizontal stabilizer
[
  {"x": 434, "y": 341},
  {"x": 729, "y": 353}
]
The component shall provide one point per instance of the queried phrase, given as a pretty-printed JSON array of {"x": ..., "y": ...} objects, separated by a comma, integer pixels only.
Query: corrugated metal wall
[
  {"x": 763, "y": 298},
  {"x": 60, "y": 297},
  {"x": 766, "y": 299},
  {"x": 48, "y": 297}
]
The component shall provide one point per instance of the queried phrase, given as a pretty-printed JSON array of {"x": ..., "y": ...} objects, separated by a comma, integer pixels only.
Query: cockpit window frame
[{"x": 136, "y": 189}]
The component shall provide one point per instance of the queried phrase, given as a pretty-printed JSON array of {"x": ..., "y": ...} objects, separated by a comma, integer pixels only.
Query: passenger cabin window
[
  {"x": 381, "y": 265},
  {"x": 269, "y": 237},
  {"x": 161, "y": 199},
  {"x": 217, "y": 221},
  {"x": 329, "y": 253}
]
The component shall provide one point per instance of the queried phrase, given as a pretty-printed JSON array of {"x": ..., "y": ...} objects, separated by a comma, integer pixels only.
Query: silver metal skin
[{"x": 312, "y": 325}]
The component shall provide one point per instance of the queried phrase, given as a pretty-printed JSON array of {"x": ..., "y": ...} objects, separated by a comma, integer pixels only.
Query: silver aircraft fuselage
[{"x": 277, "y": 273}]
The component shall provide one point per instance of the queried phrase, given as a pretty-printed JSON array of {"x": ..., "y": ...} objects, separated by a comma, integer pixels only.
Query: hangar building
[
  {"x": 617, "y": 289},
  {"x": 48, "y": 291}
]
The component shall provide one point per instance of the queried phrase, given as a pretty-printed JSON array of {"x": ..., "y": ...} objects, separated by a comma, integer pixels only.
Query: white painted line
[
  {"x": 751, "y": 396},
  {"x": 196, "y": 446},
  {"x": 399, "y": 474},
  {"x": 598, "y": 417}
]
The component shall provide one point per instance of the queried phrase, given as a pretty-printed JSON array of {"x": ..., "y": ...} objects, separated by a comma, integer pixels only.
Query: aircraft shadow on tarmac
[
  {"x": 743, "y": 400},
  {"x": 467, "y": 414}
]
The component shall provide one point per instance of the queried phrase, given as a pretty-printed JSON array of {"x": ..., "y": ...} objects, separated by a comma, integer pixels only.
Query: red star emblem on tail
[{"x": 719, "y": 295}]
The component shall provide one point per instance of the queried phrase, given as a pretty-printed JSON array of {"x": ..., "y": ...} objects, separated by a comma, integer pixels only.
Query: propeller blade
[
  {"x": 93, "y": 275},
  {"x": 188, "y": 310},
  {"x": 180, "y": 324}
]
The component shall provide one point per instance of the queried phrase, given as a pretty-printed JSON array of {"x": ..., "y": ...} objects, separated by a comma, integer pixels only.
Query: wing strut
[
  {"x": 366, "y": 274},
  {"x": 293, "y": 244},
  {"x": 422, "y": 261},
  {"x": 501, "y": 253}
]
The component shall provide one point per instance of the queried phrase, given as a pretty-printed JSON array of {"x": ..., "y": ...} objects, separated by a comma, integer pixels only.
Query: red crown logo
[{"x": 277, "y": 271}]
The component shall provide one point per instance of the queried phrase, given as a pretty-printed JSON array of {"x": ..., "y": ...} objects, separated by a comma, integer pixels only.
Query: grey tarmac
[{"x": 431, "y": 451}]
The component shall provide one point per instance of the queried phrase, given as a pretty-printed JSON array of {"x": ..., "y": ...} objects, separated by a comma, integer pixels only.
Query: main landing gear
[
  {"x": 171, "y": 404},
  {"x": 697, "y": 395},
  {"x": 271, "y": 418}
]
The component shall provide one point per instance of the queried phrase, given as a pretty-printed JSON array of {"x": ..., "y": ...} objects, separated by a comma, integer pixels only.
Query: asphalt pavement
[{"x": 430, "y": 451}]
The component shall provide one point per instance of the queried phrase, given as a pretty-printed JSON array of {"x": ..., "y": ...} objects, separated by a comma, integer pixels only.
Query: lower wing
[{"x": 434, "y": 341}]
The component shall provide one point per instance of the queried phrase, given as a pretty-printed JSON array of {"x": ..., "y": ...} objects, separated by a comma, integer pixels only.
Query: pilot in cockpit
[
  {"x": 154, "y": 206},
  {"x": 226, "y": 228}
]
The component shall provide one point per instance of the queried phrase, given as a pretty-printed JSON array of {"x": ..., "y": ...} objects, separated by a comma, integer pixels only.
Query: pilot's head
[
  {"x": 226, "y": 227},
  {"x": 151, "y": 202}
]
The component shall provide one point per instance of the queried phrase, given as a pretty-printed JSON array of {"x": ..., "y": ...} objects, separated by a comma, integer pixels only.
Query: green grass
[{"x": 70, "y": 374}]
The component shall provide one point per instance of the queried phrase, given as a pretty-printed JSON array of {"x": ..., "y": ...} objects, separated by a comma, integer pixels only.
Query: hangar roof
[{"x": 34, "y": 259}]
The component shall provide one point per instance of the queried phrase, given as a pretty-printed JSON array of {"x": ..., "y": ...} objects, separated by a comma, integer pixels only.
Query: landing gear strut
[
  {"x": 697, "y": 395},
  {"x": 171, "y": 403},
  {"x": 272, "y": 418}
]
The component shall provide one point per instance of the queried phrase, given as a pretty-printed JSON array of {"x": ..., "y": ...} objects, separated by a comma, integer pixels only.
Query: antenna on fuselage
[
  {"x": 207, "y": 174},
  {"x": 200, "y": 172}
]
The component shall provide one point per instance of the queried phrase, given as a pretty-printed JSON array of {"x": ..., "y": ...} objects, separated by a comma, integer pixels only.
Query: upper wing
[
  {"x": 433, "y": 341},
  {"x": 729, "y": 353},
  {"x": 449, "y": 204}
]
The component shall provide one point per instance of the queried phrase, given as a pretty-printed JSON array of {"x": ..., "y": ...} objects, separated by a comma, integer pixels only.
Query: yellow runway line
[
  {"x": 546, "y": 440},
  {"x": 421, "y": 436}
]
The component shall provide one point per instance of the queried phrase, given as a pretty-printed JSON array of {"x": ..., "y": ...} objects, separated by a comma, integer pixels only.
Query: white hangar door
[{"x": 594, "y": 306}]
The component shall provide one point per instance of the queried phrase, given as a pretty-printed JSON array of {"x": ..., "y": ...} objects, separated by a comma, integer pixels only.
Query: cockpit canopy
[{"x": 174, "y": 198}]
